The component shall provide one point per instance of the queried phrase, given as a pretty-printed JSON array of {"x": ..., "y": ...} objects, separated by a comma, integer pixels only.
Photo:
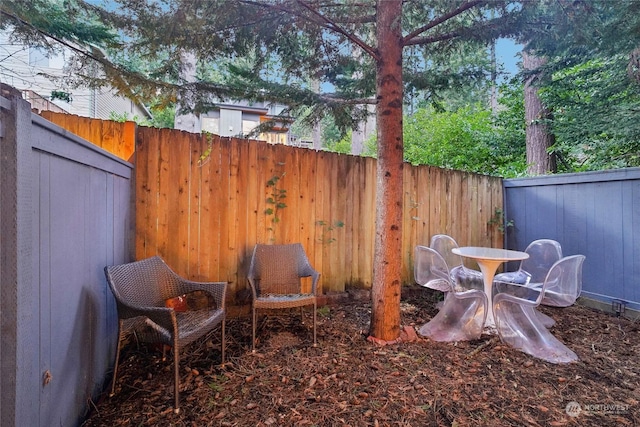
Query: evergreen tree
[
  {"x": 285, "y": 43},
  {"x": 589, "y": 81}
]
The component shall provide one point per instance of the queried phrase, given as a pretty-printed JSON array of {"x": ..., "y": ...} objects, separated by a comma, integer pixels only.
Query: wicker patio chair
[
  {"x": 141, "y": 290},
  {"x": 275, "y": 278}
]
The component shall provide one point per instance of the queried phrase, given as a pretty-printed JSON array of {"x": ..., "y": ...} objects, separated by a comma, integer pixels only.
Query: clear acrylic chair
[
  {"x": 464, "y": 311},
  {"x": 543, "y": 253},
  {"x": 519, "y": 324},
  {"x": 443, "y": 244},
  {"x": 423, "y": 274}
]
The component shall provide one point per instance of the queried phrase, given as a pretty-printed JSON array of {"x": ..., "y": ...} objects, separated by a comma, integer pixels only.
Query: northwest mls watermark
[{"x": 573, "y": 409}]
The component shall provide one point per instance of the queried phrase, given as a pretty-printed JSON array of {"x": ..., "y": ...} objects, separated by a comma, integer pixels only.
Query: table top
[{"x": 494, "y": 254}]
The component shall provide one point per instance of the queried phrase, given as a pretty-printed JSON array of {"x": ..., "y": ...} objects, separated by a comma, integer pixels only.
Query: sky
[{"x": 507, "y": 53}]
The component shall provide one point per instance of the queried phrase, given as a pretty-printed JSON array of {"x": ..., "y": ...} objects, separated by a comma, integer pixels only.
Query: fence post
[{"x": 18, "y": 301}]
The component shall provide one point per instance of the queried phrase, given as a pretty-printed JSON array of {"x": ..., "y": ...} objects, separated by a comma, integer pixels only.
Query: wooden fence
[
  {"x": 202, "y": 203},
  {"x": 115, "y": 137}
]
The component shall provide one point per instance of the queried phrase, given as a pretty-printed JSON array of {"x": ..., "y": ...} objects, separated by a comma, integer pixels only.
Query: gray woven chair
[
  {"x": 274, "y": 276},
  {"x": 141, "y": 288}
]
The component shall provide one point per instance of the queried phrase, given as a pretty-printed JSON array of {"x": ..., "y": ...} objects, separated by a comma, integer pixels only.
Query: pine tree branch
[
  {"x": 321, "y": 20},
  {"x": 338, "y": 29},
  {"x": 119, "y": 77},
  {"x": 411, "y": 38},
  {"x": 348, "y": 101},
  {"x": 51, "y": 36},
  {"x": 473, "y": 30}
]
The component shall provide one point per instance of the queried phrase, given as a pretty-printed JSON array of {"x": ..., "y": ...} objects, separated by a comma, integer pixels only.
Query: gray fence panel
[
  {"x": 62, "y": 338},
  {"x": 596, "y": 214}
]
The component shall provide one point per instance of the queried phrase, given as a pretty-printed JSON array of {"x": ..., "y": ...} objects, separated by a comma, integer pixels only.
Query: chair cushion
[
  {"x": 192, "y": 324},
  {"x": 284, "y": 301},
  {"x": 519, "y": 277}
]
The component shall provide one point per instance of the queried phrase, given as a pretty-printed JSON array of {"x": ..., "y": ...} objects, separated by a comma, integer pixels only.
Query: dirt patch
[{"x": 349, "y": 380}]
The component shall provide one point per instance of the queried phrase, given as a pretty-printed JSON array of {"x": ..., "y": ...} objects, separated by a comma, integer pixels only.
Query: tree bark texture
[
  {"x": 316, "y": 132},
  {"x": 385, "y": 291},
  {"x": 538, "y": 137}
]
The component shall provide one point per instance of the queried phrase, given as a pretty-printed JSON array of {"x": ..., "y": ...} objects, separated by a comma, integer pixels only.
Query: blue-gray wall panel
[
  {"x": 596, "y": 214},
  {"x": 74, "y": 220}
]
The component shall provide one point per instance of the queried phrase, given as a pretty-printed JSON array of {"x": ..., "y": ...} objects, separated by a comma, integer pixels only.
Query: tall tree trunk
[
  {"x": 494, "y": 80},
  {"x": 364, "y": 130},
  {"x": 538, "y": 138},
  {"x": 316, "y": 132},
  {"x": 385, "y": 291}
]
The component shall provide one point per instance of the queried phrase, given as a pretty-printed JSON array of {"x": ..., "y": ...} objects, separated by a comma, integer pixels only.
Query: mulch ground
[{"x": 349, "y": 380}]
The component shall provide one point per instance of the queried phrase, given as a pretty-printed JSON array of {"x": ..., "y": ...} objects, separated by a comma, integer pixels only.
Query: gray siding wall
[
  {"x": 65, "y": 214},
  {"x": 596, "y": 214}
]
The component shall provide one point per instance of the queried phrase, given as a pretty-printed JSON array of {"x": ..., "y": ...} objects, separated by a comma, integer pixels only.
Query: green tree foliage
[
  {"x": 162, "y": 117},
  {"x": 508, "y": 142},
  {"x": 591, "y": 83},
  {"x": 270, "y": 49},
  {"x": 596, "y": 118},
  {"x": 342, "y": 145},
  {"x": 454, "y": 140},
  {"x": 52, "y": 23},
  {"x": 450, "y": 80},
  {"x": 467, "y": 139}
]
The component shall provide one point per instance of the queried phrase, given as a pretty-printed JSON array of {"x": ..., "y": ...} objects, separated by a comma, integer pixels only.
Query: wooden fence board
[
  {"x": 407, "y": 226},
  {"x": 369, "y": 232},
  {"x": 229, "y": 174},
  {"x": 262, "y": 170},
  {"x": 195, "y": 205},
  {"x": 213, "y": 205},
  {"x": 246, "y": 219},
  {"x": 128, "y": 141},
  {"x": 115, "y": 137},
  {"x": 144, "y": 198},
  {"x": 306, "y": 216},
  {"x": 331, "y": 210},
  {"x": 321, "y": 199},
  {"x": 422, "y": 209},
  {"x": 339, "y": 201},
  {"x": 350, "y": 229},
  {"x": 166, "y": 248}
]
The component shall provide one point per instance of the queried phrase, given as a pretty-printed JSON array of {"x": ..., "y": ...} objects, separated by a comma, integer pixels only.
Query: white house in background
[
  {"x": 235, "y": 118},
  {"x": 22, "y": 66},
  {"x": 239, "y": 119}
]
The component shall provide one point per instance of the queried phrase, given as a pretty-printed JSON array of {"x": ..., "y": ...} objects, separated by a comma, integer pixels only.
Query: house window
[
  {"x": 248, "y": 126},
  {"x": 211, "y": 125},
  {"x": 39, "y": 57},
  {"x": 274, "y": 137}
]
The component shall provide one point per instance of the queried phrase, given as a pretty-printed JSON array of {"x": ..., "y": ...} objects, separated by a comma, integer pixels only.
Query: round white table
[{"x": 488, "y": 260}]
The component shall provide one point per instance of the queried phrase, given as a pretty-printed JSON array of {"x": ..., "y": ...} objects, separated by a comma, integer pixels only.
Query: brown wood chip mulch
[{"x": 348, "y": 380}]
